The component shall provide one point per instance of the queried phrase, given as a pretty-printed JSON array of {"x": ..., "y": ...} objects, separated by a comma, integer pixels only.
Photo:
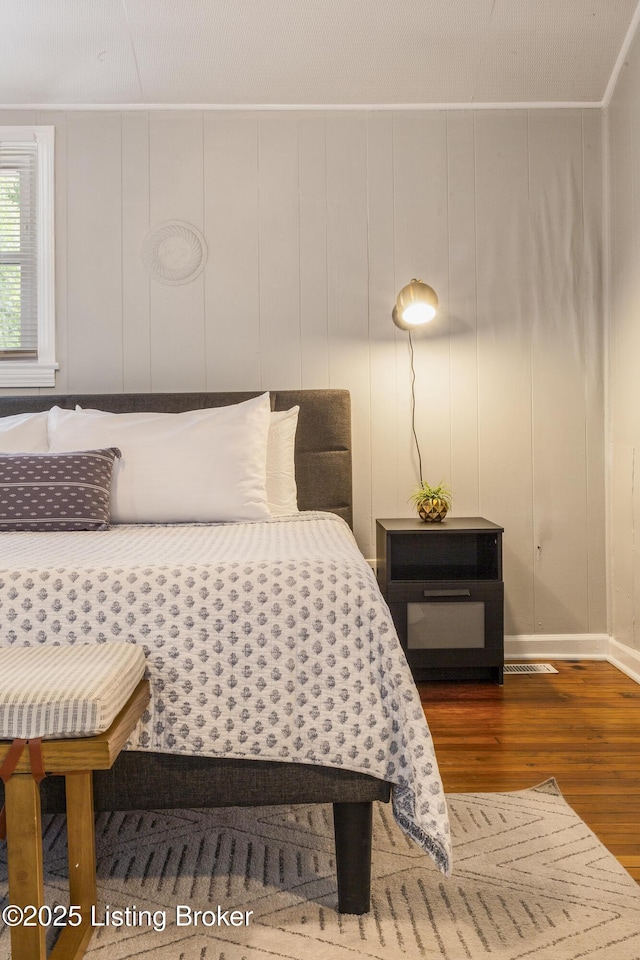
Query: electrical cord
[{"x": 413, "y": 408}]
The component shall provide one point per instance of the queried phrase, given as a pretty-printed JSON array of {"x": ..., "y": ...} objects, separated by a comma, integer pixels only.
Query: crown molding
[{"x": 302, "y": 107}]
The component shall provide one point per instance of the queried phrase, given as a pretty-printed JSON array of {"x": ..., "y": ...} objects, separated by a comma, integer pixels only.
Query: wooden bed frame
[{"x": 152, "y": 781}]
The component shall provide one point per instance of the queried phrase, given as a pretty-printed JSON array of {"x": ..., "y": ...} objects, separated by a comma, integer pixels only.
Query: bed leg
[{"x": 352, "y": 824}]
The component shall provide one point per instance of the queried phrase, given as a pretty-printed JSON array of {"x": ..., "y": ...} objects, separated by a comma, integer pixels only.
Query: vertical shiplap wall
[
  {"x": 313, "y": 222},
  {"x": 624, "y": 352}
]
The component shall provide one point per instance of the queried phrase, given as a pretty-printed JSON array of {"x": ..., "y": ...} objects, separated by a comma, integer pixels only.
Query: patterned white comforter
[{"x": 265, "y": 640}]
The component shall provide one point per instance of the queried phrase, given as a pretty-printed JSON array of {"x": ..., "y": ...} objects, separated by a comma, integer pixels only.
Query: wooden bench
[{"x": 23, "y": 761}]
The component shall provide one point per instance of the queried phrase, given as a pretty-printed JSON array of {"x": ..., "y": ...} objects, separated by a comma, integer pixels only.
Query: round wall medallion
[{"x": 174, "y": 252}]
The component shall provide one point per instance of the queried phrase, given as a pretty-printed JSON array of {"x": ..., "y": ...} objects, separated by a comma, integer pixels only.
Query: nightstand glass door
[{"x": 445, "y": 626}]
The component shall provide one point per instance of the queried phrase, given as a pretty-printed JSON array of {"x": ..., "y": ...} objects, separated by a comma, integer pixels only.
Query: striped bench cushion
[{"x": 76, "y": 691}]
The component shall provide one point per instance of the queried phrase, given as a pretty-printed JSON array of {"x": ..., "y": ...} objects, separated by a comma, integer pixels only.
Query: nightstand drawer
[
  {"x": 445, "y": 591},
  {"x": 449, "y": 619}
]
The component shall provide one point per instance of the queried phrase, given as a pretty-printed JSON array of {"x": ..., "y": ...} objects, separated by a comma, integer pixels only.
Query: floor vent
[{"x": 529, "y": 668}]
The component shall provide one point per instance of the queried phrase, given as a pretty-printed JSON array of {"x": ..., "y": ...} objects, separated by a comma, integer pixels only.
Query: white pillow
[
  {"x": 202, "y": 465},
  {"x": 24, "y": 433},
  {"x": 282, "y": 492}
]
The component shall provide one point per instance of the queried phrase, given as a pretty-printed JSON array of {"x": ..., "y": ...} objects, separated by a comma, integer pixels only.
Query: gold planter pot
[{"x": 432, "y": 511}]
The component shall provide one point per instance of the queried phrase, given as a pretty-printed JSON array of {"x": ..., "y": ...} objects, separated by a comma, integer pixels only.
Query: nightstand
[{"x": 443, "y": 584}]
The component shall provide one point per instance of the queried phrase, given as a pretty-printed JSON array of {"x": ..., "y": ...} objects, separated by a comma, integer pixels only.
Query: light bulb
[{"x": 417, "y": 313}]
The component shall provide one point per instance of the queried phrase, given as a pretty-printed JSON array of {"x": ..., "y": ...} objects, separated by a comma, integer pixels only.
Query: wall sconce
[{"x": 416, "y": 304}]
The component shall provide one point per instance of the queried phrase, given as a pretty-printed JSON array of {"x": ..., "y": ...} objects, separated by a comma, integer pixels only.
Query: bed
[{"x": 207, "y": 740}]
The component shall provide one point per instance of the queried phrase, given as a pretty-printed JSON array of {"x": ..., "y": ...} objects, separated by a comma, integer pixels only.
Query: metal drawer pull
[{"x": 447, "y": 593}]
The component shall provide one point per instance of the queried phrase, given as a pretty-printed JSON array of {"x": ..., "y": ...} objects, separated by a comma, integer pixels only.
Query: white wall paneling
[
  {"x": 591, "y": 303},
  {"x": 463, "y": 317},
  {"x": 314, "y": 333},
  {"x": 136, "y": 298},
  {"x": 624, "y": 350},
  {"x": 622, "y": 479},
  {"x": 176, "y": 178},
  {"x": 94, "y": 252},
  {"x": 388, "y": 486},
  {"x": 504, "y": 281},
  {"x": 348, "y": 292},
  {"x": 313, "y": 221},
  {"x": 231, "y": 278},
  {"x": 279, "y": 245},
  {"x": 558, "y": 318},
  {"x": 11, "y": 117}
]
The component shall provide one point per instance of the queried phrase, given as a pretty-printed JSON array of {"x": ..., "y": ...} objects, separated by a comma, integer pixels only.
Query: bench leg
[
  {"x": 24, "y": 858},
  {"x": 25, "y": 867},
  {"x": 352, "y": 823},
  {"x": 81, "y": 852}
]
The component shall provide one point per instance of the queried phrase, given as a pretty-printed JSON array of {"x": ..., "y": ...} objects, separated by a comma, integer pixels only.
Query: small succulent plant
[{"x": 432, "y": 503}]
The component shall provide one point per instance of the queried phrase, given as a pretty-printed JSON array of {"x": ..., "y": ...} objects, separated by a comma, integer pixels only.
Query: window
[{"x": 27, "y": 282}]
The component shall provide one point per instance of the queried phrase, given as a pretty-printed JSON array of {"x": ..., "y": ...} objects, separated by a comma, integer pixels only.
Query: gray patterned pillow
[{"x": 56, "y": 491}]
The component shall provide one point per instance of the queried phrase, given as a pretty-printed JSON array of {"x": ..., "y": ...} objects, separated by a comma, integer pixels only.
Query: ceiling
[{"x": 310, "y": 52}]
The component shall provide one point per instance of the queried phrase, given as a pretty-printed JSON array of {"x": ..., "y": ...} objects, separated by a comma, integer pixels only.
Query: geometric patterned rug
[{"x": 530, "y": 882}]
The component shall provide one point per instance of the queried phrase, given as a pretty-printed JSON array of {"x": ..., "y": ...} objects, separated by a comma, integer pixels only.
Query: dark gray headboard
[{"x": 323, "y": 440}]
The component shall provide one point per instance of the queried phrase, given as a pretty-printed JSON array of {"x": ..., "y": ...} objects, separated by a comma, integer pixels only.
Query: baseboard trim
[
  {"x": 625, "y": 659},
  {"x": 575, "y": 646},
  {"x": 560, "y": 646}
]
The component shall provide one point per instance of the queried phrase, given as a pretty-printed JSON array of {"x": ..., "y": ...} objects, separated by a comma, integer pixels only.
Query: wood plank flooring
[{"x": 581, "y": 726}]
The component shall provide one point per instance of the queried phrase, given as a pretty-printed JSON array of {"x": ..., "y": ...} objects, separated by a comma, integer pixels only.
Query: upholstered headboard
[{"x": 323, "y": 440}]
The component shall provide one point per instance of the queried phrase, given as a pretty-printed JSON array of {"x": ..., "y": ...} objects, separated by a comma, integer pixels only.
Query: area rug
[{"x": 530, "y": 881}]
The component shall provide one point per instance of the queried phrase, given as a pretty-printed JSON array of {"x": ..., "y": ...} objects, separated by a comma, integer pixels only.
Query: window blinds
[{"x": 18, "y": 250}]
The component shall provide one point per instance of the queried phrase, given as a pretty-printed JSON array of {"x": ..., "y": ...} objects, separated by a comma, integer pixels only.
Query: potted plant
[{"x": 432, "y": 503}]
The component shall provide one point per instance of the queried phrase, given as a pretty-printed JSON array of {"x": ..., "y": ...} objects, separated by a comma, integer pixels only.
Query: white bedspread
[{"x": 265, "y": 640}]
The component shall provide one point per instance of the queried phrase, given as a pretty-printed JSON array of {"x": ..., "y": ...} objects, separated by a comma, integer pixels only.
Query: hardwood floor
[{"x": 581, "y": 726}]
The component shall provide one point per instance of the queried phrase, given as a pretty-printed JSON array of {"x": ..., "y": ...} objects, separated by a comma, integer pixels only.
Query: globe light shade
[{"x": 416, "y": 304}]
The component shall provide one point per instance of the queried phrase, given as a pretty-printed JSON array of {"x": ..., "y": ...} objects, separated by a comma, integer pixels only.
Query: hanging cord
[{"x": 413, "y": 408}]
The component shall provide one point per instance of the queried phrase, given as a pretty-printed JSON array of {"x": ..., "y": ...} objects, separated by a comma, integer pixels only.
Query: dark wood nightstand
[{"x": 443, "y": 583}]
